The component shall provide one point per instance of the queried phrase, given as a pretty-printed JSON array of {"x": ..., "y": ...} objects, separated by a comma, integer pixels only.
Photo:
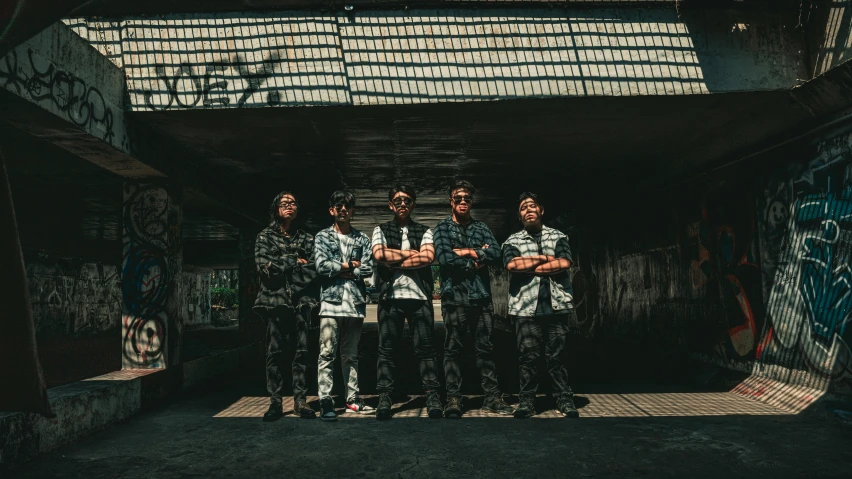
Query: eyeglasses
[
  {"x": 463, "y": 198},
  {"x": 402, "y": 200},
  {"x": 340, "y": 206},
  {"x": 288, "y": 204}
]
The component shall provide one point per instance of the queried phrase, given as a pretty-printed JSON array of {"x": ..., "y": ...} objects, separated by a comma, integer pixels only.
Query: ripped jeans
[{"x": 346, "y": 331}]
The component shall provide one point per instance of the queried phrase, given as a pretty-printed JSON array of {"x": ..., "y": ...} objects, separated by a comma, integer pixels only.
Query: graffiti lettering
[
  {"x": 186, "y": 89},
  {"x": 82, "y": 104}
]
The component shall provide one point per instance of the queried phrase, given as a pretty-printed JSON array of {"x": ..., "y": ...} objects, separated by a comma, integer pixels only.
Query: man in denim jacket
[
  {"x": 465, "y": 248},
  {"x": 343, "y": 259},
  {"x": 540, "y": 295}
]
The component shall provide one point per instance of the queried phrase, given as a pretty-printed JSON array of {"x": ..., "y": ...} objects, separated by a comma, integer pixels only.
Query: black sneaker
[
  {"x": 454, "y": 408},
  {"x": 497, "y": 405},
  {"x": 567, "y": 408},
  {"x": 327, "y": 410},
  {"x": 274, "y": 412},
  {"x": 525, "y": 409},
  {"x": 303, "y": 410},
  {"x": 433, "y": 405},
  {"x": 385, "y": 404}
]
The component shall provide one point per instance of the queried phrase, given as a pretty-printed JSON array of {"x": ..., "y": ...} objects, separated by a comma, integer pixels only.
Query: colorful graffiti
[
  {"x": 811, "y": 293},
  {"x": 725, "y": 271},
  {"x": 146, "y": 275}
]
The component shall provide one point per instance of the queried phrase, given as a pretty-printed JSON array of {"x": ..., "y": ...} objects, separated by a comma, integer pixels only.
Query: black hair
[
  {"x": 528, "y": 195},
  {"x": 341, "y": 196},
  {"x": 458, "y": 184},
  {"x": 402, "y": 188},
  {"x": 274, "y": 218}
]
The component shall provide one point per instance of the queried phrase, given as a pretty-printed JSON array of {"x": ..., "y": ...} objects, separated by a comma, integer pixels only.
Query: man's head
[
  {"x": 530, "y": 210},
  {"x": 401, "y": 200},
  {"x": 461, "y": 197},
  {"x": 283, "y": 208},
  {"x": 341, "y": 206}
]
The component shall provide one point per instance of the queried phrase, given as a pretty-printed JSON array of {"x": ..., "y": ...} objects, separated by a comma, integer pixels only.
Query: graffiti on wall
[
  {"x": 73, "y": 298},
  {"x": 43, "y": 82},
  {"x": 196, "y": 298},
  {"x": 811, "y": 292},
  {"x": 725, "y": 271},
  {"x": 188, "y": 87},
  {"x": 146, "y": 275}
]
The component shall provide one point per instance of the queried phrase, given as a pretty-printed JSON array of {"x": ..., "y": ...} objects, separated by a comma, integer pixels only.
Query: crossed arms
[
  {"x": 404, "y": 259},
  {"x": 539, "y": 265}
]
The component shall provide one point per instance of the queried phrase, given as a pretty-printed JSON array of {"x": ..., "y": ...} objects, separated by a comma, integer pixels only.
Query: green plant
[{"x": 224, "y": 297}]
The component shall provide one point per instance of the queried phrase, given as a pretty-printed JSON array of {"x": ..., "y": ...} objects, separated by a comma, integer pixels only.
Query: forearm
[
  {"x": 390, "y": 255},
  {"x": 526, "y": 263},
  {"x": 418, "y": 260},
  {"x": 552, "y": 267}
]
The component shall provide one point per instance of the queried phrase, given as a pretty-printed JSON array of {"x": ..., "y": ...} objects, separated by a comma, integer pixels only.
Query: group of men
[{"x": 299, "y": 272}]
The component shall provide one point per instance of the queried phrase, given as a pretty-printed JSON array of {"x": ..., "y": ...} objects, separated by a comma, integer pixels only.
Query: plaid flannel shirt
[{"x": 461, "y": 281}]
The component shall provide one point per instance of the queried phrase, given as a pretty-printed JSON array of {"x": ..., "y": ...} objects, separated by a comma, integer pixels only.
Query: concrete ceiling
[{"x": 579, "y": 153}]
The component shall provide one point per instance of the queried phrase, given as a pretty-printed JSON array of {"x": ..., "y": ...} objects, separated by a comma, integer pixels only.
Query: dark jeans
[
  {"x": 392, "y": 314},
  {"x": 549, "y": 332},
  {"x": 284, "y": 324},
  {"x": 461, "y": 322}
]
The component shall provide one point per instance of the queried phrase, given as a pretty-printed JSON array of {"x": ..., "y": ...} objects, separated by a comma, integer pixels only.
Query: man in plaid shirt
[
  {"x": 465, "y": 248},
  {"x": 285, "y": 300},
  {"x": 343, "y": 259}
]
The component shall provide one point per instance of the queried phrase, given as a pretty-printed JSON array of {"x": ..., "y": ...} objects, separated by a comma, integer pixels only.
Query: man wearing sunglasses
[
  {"x": 465, "y": 247},
  {"x": 540, "y": 294},
  {"x": 343, "y": 259},
  {"x": 404, "y": 252},
  {"x": 281, "y": 253}
]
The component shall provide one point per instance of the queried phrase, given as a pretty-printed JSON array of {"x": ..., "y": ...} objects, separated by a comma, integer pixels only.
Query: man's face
[
  {"x": 402, "y": 205},
  {"x": 287, "y": 207},
  {"x": 461, "y": 201},
  {"x": 342, "y": 211},
  {"x": 530, "y": 212}
]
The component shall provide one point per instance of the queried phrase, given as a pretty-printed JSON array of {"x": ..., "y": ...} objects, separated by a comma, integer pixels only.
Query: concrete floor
[{"x": 625, "y": 431}]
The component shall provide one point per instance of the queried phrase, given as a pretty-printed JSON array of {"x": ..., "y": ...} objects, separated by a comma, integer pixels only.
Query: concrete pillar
[
  {"x": 248, "y": 279},
  {"x": 151, "y": 273}
]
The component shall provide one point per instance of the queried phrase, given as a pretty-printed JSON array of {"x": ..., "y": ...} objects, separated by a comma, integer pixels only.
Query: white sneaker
[{"x": 358, "y": 406}]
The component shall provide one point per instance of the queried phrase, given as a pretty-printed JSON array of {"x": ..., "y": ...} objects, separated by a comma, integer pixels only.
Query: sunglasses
[
  {"x": 340, "y": 206},
  {"x": 463, "y": 198},
  {"x": 288, "y": 204},
  {"x": 403, "y": 200}
]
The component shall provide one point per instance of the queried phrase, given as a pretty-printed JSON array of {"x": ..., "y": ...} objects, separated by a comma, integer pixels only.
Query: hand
[
  {"x": 302, "y": 261},
  {"x": 549, "y": 258},
  {"x": 485, "y": 246},
  {"x": 354, "y": 264}
]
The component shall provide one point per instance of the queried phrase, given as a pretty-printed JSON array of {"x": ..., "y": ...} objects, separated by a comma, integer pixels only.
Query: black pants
[
  {"x": 291, "y": 326},
  {"x": 392, "y": 314},
  {"x": 461, "y": 322},
  {"x": 534, "y": 334}
]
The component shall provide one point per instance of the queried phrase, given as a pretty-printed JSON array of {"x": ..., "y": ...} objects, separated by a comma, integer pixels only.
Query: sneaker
[
  {"x": 567, "y": 408},
  {"x": 525, "y": 409},
  {"x": 327, "y": 410},
  {"x": 359, "y": 406},
  {"x": 496, "y": 404},
  {"x": 385, "y": 405},
  {"x": 274, "y": 412},
  {"x": 433, "y": 404},
  {"x": 454, "y": 408},
  {"x": 301, "y": 408}
]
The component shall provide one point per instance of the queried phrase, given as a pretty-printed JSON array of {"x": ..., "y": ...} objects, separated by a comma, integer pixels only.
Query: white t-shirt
[
  {"x": 347, "y": 307},
  {"x": 406, "y": 282}
]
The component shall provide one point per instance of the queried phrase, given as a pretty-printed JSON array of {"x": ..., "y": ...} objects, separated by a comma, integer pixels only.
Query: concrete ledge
[{"x": 85, "y": 407}]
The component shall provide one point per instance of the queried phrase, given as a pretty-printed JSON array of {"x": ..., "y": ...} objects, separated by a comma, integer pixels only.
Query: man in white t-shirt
[
  {"x": 343, "y": 259},
  {"x": 403, "y": 252}
]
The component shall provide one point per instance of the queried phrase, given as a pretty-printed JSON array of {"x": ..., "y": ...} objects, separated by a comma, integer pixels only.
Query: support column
[
  {"x": 151, "y": 272},
  {"x": 249, "y": 283}
]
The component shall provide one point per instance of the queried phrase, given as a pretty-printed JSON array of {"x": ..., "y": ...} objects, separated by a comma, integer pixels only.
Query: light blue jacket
[{"x": 329, "y": 263}]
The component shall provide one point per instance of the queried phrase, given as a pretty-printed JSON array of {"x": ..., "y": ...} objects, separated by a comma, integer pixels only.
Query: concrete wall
[
  {"x": 390, "y": 57},
  {"x": 748, "y": 269}
]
